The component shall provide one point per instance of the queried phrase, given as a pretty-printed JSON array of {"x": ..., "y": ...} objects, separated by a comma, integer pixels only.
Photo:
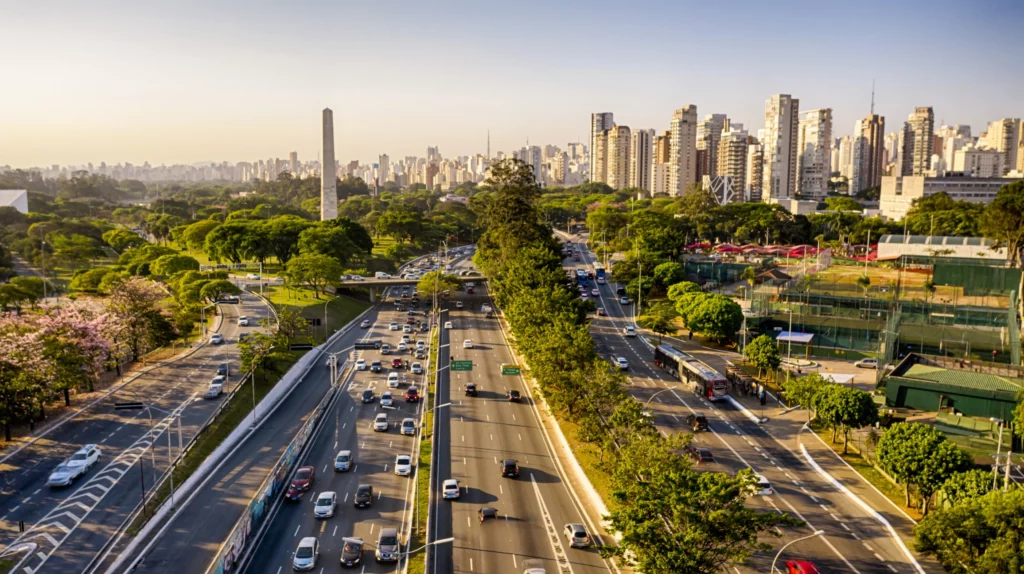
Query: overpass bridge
[{"x": 376, "y": 286}]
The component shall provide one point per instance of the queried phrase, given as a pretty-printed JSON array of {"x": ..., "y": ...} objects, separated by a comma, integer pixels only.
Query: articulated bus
[{"x": 704, "y": 380}]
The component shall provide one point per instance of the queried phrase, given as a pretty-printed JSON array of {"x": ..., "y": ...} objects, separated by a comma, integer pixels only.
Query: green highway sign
[
  {"x": 510, "y": 370},
  {"x": 461, "y": 365}
]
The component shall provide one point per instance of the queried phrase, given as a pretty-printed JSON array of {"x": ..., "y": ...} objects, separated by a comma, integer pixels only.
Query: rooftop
[{"x": 964, "y": 378}]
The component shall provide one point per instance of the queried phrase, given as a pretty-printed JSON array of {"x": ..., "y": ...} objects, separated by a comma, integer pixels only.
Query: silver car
[
  {"x": 343, "y": 462},
  {"x": 325, "y": 503},
  {"x": 381, "y": 424},
  {"x": 306, "y": 554}
]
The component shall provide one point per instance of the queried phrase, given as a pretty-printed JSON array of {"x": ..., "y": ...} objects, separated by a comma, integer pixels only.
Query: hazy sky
[{"x": 181, "y": 82}]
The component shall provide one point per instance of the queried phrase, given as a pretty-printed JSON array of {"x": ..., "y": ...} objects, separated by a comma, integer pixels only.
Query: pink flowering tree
[
  {"x": 74, "y": 346},
  {"x": 133, "y": 312},
  {"x": 22, "y": 382}
]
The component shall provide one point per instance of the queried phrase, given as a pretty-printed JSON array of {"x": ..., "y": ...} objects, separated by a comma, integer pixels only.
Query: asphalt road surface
[{"x": 69, "y": 525}]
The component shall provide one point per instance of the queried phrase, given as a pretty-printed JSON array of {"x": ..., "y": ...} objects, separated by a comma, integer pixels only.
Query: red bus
[{"x": 704, "y": 380}]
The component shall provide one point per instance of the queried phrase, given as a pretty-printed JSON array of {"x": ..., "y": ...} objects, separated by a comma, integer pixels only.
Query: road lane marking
[
  {"x": 880, "y": 559},
  {"x": 323, "y": 526},
  {"x": 335, "y": 533},
  {"x": 297, "y": 526},
  {"x": 553, "y": 538}
]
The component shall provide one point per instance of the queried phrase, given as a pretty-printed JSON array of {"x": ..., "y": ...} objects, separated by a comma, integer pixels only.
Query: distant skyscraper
[
  {"x": 293, "y": 163},
  {"x": 662, "y": 164},
  {"x": 383, "y": 168},
  {"x": 1004, "y": 136},
  {"x": 683, "y": 160},
  {"x": 814, "y": 152},
  {"x": 640, "y": 159},
  {"x": 869, "y": 141},
  {"x": 599, "y": 123},
  {"x": 779, "y": 146},
  {"x": 709, "y": 132},
  {"x": 329, "y": 172},
  {"x": 755, "y": 170},
  {"x": 732, "y": 159},
  {"x": 619, "y": 141},
  {"x": 916, "y": 151}
]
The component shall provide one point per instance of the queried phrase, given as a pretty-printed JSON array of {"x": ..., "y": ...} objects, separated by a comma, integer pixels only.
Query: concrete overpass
[{"x": 376, "y": 286}]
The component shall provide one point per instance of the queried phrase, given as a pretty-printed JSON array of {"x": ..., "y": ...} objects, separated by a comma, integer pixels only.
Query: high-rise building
[
  {"x": 383, "y": 169},
  {"x": 1004, "y": 136},
  {"x": 663, "y": 148},
  {"x": 599, "y": 157},
  {"x": 599, "y": 123},
  {"x": 683, "y": 160},
  {"x": 732, "y": 158},
  {"x": 868, "y": 139},
  {"x": 814, "y": 152},
  {"x": 577, "y": 151},
  {"x": 293, "y": 163},
  {"x": 618, "y": 139},
  {"x": 709, "y": 132},
  {"x": 755, "y": 170},
  {"x": 661, "y": 164},
  {"x": 328, "y": 184},
  {"x": 779, "y": 146},
  {"x": 973, "y": 161},
  {"x": 916, "y": 151},
  {"x": 640, "y": 159}
]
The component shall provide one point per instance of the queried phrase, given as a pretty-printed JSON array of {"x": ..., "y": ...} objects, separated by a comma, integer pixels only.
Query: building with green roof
[{"x": 941, "y": 384}]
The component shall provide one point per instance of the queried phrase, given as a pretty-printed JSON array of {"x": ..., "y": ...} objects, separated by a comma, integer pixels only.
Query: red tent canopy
[
  {"x": 698, "y": 246},
  {"x": 728, "y": 248}
]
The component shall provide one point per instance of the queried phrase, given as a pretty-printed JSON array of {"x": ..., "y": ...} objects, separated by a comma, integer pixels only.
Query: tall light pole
[
  {"x": 649, "y": 399},
  {"x": 815, "y": 533}
]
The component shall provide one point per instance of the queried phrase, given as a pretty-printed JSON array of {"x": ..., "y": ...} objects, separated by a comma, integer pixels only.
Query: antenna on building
[{"x": 872, "y": 96}]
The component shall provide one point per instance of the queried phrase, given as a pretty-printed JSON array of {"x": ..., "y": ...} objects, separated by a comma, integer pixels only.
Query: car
[
  {"x": 376, "y": 366},
  {"x": 458, "y": 304},
  {"x": 488, "y": 513},
  {"x": 367, "y": 395},
  {"x": 624, "y": 300},
  {"x": 396, "y": 363},
  {"x": 421, "y": 344},
  {"x": 867, "y": 363},
  {"x": 469, "y": 291},
  {"x": 224, "y": 369},
  {"x": 253, "y": 276},
  {"x": 325, "y": 503},
  {"x": 470, "y": 389},
  {"x": 448, "y": 325},
  {"x": 393, "y": 380},
  {"x": 410, "y": 321},
  {"x": 601, "y": 312},
  {"x": 629, "y": 331},
  {"x": 763, "y": 487},
  {"x": 600, "y": 280},
  {"x": 84, "y": 458},
  {"x": 513, "y": 396},
  {"x": 424, "y": 327},
  {"x": 306, "y": 554},
  {"x": 407, "y": 338},
  {"x": 343, "y": 461},
  {"x": 701, "y": 454},
  {"x": 243, "y": 321},
  {"x": 509, "y": 468},
  {"x": 407, "y": 328},
  {"x": 620, "y": 290},
  {"x": 216, "y": 388},
  {"x": 303, "y": 479},
  {"x": 364, "y": 324},
  {"x": 403, "y": 465},
  {"x": 595, "y": 292},
  {"x": 416, "y": 368},
  {"x": 622, "y": 363},
  {"x": 408, "y": 426},
  {"x": 584, "y": 296},
  {"x": 380, "y": 423},
  {"x": 412, "y": 395},
  {"x": 450, "y": 489},
  {"x": 63, "y": 475},
  {"x": 467, "y": 344},
  {"x": 392, "y": 326},
  {"x": 385, "y": 349},
  {"x": 402, "y": 347},
  {"x": 364, "y": 496},
  {"x": 420, "y": 354},
  {"x": 216, "y": 339},
  {"x": 386, "y": 400},
  {"x": 387, "y": 545},
  {"x": 800, "y": 567},
  {"x": 361, "y": 365},
  {"x": 698, "y": 422},
  {"x": 351, "y": 552},
  {"x": 577, "y": 535}
]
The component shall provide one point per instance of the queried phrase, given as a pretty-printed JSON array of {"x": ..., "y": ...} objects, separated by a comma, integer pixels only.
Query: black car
[
  {"x": 620, "y": 291},
  {"x": 368, "y": 396},
  {"x": 351, "y": 552},
  {"x": 509, "y": 468},
  {"x": 470, "y": 389},
  {"x": 364, "y": 496},
  {"x": 375, "y": 367},
  {"x": 701, "y": 454},
  {"x": 513, "y": 396},
  {"x": 222, "y": 369},
  {"x": 698, "y": 422}
]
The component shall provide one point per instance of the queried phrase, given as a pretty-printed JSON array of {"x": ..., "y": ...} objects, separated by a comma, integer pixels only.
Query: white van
[{"x": 382, "y": 275}]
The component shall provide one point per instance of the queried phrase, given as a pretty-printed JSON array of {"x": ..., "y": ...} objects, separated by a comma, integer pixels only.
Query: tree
[
  {"x": 660, "y": 318},
  {"x": 1003, "y": 221},
  {"x": 22, "y": 372},
  {"x": 195, "y": 234},
  {"x": 433, "y": 284},
  {"x": 131, "y": 307},
  {"x": 918, "y": 454},
  {"x": 967, "y": 485},
  {"x": 282, "y": 236},
  {"x": 122, "y": 239},
  {"x": 33, "y": 286},
  {"x": 845, "y": 408},
  {"x": 763, "y": 353},
  {"x": 168, "y": 265},
  {"x": 668, "y": 274},
  {"x": 675, "y": 292},
  {"x": 258, "y": 350},
  {"x": 321, "y": 239},
  {"x": 978, "y": 535},
  {"x": 749, "y": 275},
  {"x": 864, "y": 282},
  {"x": 717, "y": 317},
  {"x": 217, "y": 289},
  {"x": 315, "y": 270},
  {"x": 843, "y": 203},
  {"x": 74, "y": 349},
  {"x": 804, "y": 390}
]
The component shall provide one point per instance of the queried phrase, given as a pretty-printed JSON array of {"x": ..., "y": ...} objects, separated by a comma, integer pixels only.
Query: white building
[
  {"x": 979, "y": 162},
  {"x": 640, "y": 159},
  {"x": 814, "y": 153},
  {"x": 899, "y": 192},
  {"x": 892, "y": 246},
  {"x": 1004, "y": 136},
  {"x": 16, "y": 198},
  {"x": 779, "y": 145},
  {"x": 599, "y": 123},
  {"x": 683, "y": 150}
]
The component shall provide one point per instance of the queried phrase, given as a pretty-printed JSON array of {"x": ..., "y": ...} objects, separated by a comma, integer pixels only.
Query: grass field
[
  {"x": 842, "y": 280},
  {"x": 340, "y": 309}
]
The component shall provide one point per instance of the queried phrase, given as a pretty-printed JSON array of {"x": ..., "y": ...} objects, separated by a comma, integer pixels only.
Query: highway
[
  {"x": 69, "y": 525},
  {"x": 853, "y": 541},
  {"x": 474, "y": 435}
]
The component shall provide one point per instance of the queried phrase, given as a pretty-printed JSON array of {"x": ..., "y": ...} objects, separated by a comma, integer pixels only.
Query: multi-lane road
[
  {"x": 853, "y": 540},
  {"x": 66, "y": 527}
]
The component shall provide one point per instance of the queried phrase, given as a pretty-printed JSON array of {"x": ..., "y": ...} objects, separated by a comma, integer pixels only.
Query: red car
[
  {"x": 601, "y": 311},
  {"x": 410, "y": 320},
  {"x": 469, "y": 290},
  {"x": 412, "y": 395},
  {"x": 303, "y": 479},
  {"x": 800, "y": 567},
  {"x": 396, "y": 363}
]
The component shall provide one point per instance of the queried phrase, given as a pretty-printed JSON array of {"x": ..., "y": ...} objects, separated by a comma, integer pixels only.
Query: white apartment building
[
  {"x": 1004, "y": 136},
  {"x": 683, "y": 150},
  {"x": 599, "y": 123},
  {"x": 709, "y": 133},
  {"x": 755, "y": 170},
  {"x": 640, "y": 159},
  {"x": 779, "y": 146},
  {"x": 618, "y": 145},
  {"x": 899, "y": 192},
  {"x": 732, "y": 161},
  {"x": 916, "y": 152},
  {"x": 814, "y": 152},
  {"x": 979, "y": 162}
]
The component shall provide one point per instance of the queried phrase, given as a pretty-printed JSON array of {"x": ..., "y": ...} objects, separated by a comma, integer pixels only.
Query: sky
[{"x": 186, "y": 82}]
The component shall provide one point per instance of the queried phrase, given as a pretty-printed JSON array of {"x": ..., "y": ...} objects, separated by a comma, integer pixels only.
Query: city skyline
[{"x": 208, "y": 83}]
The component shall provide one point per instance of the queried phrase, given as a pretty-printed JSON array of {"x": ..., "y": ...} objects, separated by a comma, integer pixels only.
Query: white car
[
  {"x": 584, "y": 296},
  {"x": 629, "y": 332},
  {"x": 393, "y": 327},
  {"x": 458, "y": 304},
  {"x": 624, "y": 300},
  {"x": 403, "y": 465},
  {"x": 325, "y": 504},
  {"x": 416, "y": 368},
  {"x": 343, "y": 461},
  {"x": 448, "y": 325},
  {"x": 361, "y": 365},
  {"x": 867, "y": 363},
  {"x": 393, "y": 380},
  {"x": 407, "y": 328},
  {"x": 381, "y": 424},
  {"x": 356, "y": 278},
  {"x": 402, "y": 347},
  {"x": 243, "y": 321},
  {"x": 595, "y": 292},
  {"x": 216, "y": 339},
  {"x": 253, "y": 276},
  {"x": 622, "y": 363},
  {"x": 306, "y": 554},
  {"x": 64, "y": 475},
  {"x": 467, "y": 344},
  {"x": 84, "y": 458},
  {"x": 421, "y": 345},
  {"x": 386, "y": 399},
  {"x": 406, "y": 338},
  {"x": 364, "y": 324},
  {"x": 763, "y": 487},
  {"x": 450, "y": 489}
]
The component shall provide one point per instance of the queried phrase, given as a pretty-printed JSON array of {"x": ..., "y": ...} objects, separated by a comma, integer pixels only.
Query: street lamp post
[
  {"x": 649, "y": 399},
  {"x": 202, "y": 313},
  {"x": 815, "y": 533},
  {"x": 326, "y": 332},
  {"x": 999, "y": 448}
]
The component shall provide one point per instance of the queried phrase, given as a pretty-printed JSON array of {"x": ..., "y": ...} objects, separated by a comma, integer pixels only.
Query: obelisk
[{"x": 328, "y": 191}]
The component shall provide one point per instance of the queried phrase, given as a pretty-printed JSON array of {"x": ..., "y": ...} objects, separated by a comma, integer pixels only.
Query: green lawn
[{"x": 340, "y": 310}]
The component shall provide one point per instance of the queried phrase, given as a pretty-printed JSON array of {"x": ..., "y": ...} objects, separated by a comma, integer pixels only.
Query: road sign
[
  {"x": 510, "y": 370},
  {"x": 461, "y": 365},
  {"x": 128, "y": 406}
]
